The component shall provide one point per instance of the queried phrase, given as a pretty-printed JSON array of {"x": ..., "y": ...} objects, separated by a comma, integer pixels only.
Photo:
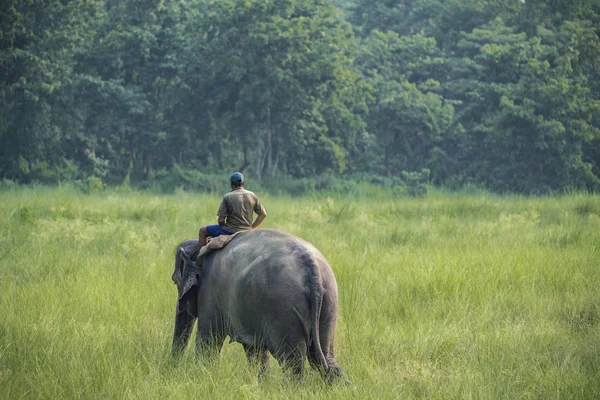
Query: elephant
[{"x": 270, "y": 291}]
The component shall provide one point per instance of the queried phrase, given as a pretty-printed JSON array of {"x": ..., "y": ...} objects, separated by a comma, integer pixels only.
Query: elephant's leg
[
  {"x": 258, "y": 355},
  {"x": 291, "y": 358},
  {"x": 208, "y": 345},
  {"x": 327, "y": 323},
  {"x": 332, "y": 371},
  {"x": 184, "y": 324}
]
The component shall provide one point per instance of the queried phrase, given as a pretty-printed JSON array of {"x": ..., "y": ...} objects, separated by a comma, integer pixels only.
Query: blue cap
[{"x": 237, "y": 178}]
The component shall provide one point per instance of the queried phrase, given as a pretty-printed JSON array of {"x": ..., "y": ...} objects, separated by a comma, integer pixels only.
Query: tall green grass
[{"x": 451, "y": 296}]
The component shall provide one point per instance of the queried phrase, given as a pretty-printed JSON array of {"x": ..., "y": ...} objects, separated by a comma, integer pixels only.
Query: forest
[{"x": 499, "y": 94}]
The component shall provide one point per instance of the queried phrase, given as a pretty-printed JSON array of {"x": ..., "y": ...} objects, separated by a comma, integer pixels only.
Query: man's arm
[
  {"x": 260, "y": 211},
  {"x": 222, "y": 213},
  {"x": 258, "y": 220}
]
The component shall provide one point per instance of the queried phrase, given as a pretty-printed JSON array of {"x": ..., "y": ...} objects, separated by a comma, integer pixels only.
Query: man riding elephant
[
  {"x": 270, "y": 291},
  {"x": 235, "y": 212}
]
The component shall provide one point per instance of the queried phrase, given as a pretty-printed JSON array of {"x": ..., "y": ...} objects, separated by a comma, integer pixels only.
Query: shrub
[
  {"x": 416, "y": 182},
  {"x": 179, "y": 178},
  {"x": 125, "y": 187},
  {"x": 293, "y": 187},
  {"x": 7, "y": 184}
]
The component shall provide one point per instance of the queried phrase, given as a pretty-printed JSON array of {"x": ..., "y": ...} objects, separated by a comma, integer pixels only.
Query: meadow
[{"x": 448, "y": 296}]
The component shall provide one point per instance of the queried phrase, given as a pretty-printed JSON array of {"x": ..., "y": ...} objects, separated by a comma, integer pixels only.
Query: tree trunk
[
  {"x": 245, "y": 162},
  {"x": 259, "y": 155},
  {"x": 269, "y": 150},
  {"x": 17, "y": 167},
  {"x": 275, "y": 164},
  {"x": 147, "y": 164}
]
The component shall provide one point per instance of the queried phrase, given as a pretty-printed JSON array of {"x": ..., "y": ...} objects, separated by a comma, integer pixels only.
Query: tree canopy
[{"x": 504, "y": 94}]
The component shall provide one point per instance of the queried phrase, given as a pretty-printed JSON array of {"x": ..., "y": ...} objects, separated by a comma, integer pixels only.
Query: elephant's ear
[{"x": 190, "y": 278}]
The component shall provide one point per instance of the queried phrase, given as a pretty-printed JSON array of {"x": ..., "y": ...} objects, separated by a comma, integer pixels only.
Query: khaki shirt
[{"x": 237, "y": 207}]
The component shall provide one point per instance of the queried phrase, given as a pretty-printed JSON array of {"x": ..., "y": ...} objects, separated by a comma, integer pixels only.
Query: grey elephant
[{"x": 270, "y": 291}]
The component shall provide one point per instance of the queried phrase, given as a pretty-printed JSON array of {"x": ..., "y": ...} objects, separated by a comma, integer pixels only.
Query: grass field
[{"x": 451, "y": 296}]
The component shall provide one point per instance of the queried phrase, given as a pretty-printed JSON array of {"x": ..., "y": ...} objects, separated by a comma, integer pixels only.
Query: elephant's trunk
[{"x": 184, "y": 324}]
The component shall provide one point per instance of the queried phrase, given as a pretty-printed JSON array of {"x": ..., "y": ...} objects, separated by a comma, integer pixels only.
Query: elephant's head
[{"x": 187, "y": 278}]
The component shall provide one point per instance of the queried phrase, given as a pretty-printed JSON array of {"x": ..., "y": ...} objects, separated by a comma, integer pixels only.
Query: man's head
[{"x": 236, "y": 179}]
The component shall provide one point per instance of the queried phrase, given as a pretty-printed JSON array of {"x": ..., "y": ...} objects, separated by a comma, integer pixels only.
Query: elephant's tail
[{"x": 315, "y": 299}]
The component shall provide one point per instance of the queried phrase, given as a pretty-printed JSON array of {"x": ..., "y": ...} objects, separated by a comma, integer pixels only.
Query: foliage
[
  {"x": 501, "y": 94},
  {"x": 515, "y": 77},
  {"x": 281, "y": 84},
  {"x": 167, "y": 181},
  {"x": 416, "y": 182}
]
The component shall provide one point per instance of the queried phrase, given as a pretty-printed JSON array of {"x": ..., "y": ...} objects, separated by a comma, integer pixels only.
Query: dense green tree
[
  {"x": 503, "y": 93},
  {"x": 281, "y": 83},
  {"x": 523, "y": 77},
  {"x": 410, "y": 122},
  {"x": 131, "y": 79},
  {"x": 443, "y": 20},
  {"x": 522, "y": 110},
  {"x": 38, "y": 42}
]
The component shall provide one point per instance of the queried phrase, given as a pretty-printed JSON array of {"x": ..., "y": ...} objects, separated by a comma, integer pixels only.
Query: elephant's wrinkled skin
[{"x": 266, "y": 289}]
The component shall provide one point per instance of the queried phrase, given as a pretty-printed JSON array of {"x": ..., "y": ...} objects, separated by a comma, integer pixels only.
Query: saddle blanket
[{"x": 217, "y": 243}]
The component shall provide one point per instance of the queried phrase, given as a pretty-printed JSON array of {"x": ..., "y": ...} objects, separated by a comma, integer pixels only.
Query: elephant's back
[
  {"x": 265, "y": 273},
  {"x": 273, "y": 240},
  {"x": 264, "y": 244},
  {"x": 267, "y": 252},
  {"x": 266, "y": 256}
]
